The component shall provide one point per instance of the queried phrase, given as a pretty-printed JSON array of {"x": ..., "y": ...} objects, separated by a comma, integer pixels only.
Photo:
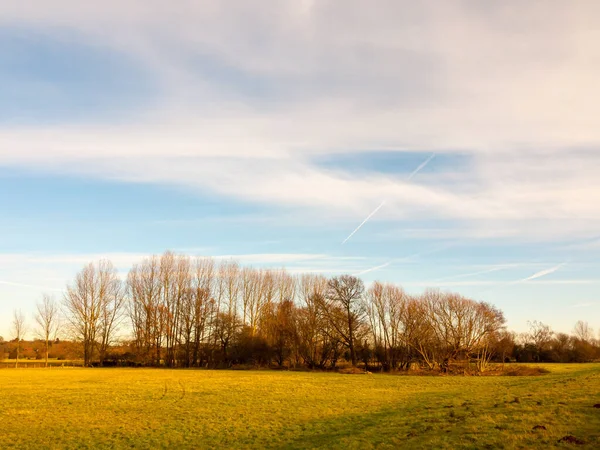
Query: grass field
[{"x": 158, "y": 408}]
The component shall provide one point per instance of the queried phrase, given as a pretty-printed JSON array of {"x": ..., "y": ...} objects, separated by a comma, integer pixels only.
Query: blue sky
[{"x": 270, "y": 133}]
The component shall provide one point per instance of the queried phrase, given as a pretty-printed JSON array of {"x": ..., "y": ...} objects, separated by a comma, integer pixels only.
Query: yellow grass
[{"x": 158, "y": 408}]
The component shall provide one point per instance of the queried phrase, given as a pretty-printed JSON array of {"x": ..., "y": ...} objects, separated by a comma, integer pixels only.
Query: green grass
[{"x": 158, "y": 408}]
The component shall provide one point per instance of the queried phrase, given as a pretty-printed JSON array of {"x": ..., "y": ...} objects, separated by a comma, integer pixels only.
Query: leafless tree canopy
[
  {"x": 19, "y": 328},
  {"x": 93, "y": 308},
  {"x": 198, "y": 312},
  {"x": 204, "y": 313},
  {"x": 47, "y": 320},
  {"x": 583, "y": 331}
]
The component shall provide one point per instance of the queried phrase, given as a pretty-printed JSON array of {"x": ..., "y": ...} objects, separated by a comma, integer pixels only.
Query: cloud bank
[{"x": 248, "y": 97}]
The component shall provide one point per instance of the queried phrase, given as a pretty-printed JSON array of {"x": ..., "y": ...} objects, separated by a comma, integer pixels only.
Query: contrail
[
  {"x": 480, "y": 272},
  {"x": 540, "y": 274},
  {"x": 543, "y": 273},
  {"x": 373, "y": 268},
  {"x": 363, "y": 222},
  {"x": 418, "y": 169},
  {"x": 404, "y": 258}
]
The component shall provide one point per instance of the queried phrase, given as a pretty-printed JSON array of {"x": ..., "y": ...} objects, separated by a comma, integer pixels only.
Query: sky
[{"x": 466, "y": 132}]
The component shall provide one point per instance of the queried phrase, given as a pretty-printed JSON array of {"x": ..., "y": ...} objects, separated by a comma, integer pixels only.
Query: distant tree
[
  {"x": 19, "y": 328},
  {"x": 504, "y": 345},
  {"x": 345, "y": 310},
  {"x": 90, "y": 303},
  {"x": 112, "y": 309},
  {"x": 144, "y": 287},
  {"x": 198, "y": 312},
  {"x": 462, "y": 327},
  {"x": 386, "y": 305},
  {"x": 583, "y": 331},
  {"x": 47, "y": 318},
  {"x": 583, "y": 343},
  {"x": 310, "y": 320},
  {"x": 281, "y": 331},
  {"x": 202, "y": 307},
  {"x": 562, "y": 346},
  {"x": 540, "y": 336},
  {"x": 226, "y": 328}
]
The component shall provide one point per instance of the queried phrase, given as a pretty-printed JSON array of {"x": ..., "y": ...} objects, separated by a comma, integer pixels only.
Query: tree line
[{"x": 198, "y": 312}]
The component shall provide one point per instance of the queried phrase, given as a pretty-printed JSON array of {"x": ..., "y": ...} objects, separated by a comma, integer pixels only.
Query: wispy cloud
[
  {"x": 328, "y": 104},
  {"x": 584, "y": 305},
  {"x": 282, "y": 83},
  {"x": 270, "y": 258},
  {"x": 119, "y": 259},
  {"x": 46, "y": 288},
  {"x": 501, "y": 283},
  {"x": 586, "y": 244}
]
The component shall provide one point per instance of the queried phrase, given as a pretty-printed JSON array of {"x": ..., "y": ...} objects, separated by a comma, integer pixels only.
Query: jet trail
[
  {"x": 410, "y": 177},
  {"x": 363, "y": 222},
  {"x": 421, "y": 167},
  {"x": 543, "y": 273},
  {"x": 372, "y": 269}
]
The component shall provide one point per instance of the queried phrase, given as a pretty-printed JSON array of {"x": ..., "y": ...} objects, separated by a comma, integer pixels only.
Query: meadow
[{"x": 160, "y": 408}]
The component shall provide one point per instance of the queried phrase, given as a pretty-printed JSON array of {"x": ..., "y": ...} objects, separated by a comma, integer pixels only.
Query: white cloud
[
  {"x": 30, "y": 286},
  {"x": 513, "y": 90},
  {"x": 16, "y": 260},
  {"x": 500, "y": 283},
  {"x": 283, "y": 258},
  {"x": 584, "y": 305}
]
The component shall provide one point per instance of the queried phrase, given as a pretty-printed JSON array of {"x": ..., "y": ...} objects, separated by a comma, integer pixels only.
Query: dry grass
[{"x": 155, "y": 408}]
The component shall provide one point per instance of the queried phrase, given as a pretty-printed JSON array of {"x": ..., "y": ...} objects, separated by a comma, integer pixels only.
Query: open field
[{"x": 157, "y": 408}]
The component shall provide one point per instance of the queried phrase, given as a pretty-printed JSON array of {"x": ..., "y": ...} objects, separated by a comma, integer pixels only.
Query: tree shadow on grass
[{"x": 388, "y": 427}]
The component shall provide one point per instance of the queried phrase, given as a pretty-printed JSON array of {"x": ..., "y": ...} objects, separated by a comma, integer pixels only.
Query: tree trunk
[
  {"x": 352, "y": 352},
  {"x": 351, "y": 336}
]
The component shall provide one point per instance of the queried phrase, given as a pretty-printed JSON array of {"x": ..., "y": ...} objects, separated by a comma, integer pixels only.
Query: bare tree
[
  {"x": 385, "y": 305},
  {"x": 419, "y": 334},
  {"x": 112, "y": 308},
  {"x": 189, "y": 314},
  {"x": 540, "y": 335},
  {"x": 197, "y": 308},
  {"x": 312, "y": 290},
  {"x": 89, "y": 306},
  {"x": 251, "y": 297},
  {"x": 19, "y": 328},
  {"x": 583, "y": 332},
  {"x": 145, "y": 309},
  {"x": 461, "y": 326},
  {"x": 47, "y": 318},
  {"x": 344, "y": 309}
]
